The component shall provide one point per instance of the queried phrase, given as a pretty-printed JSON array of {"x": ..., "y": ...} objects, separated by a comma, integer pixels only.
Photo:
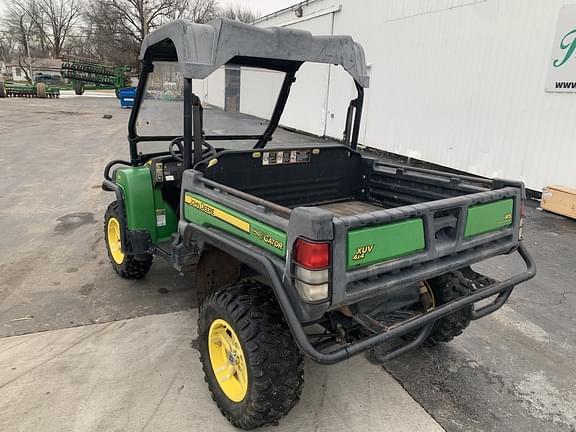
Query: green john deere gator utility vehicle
[{"x": 307, "y": 249}]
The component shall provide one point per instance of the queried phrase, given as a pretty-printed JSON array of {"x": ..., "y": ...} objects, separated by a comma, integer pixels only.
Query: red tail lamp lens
[{"x": 310, "y": 255}]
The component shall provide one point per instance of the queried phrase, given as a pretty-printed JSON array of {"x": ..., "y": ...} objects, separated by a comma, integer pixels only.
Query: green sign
[
  {"x": 567, "y": 45},
  {"x": 561, "y": 76}
]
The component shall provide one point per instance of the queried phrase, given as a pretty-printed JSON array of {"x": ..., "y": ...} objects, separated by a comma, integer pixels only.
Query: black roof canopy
[{"x": 200, "y": 49}]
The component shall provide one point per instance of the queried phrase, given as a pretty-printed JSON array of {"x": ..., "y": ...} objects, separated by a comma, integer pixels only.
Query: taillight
[
  {"x": 312, "y": 255},
  {"x": 311, "y": 265}
]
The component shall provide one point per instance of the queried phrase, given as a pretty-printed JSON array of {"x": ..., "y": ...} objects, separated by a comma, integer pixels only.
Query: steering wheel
[{"x": 178, "y": 142}]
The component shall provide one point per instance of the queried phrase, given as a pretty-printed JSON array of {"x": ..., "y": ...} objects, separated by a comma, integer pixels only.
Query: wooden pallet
[{"x": 560, "y": 200}]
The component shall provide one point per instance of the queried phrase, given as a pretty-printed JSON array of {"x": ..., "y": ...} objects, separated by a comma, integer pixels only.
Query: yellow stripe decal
[{"x": 217, "y": 213}]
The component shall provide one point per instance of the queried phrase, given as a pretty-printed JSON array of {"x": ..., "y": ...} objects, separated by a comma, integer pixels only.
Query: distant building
[{"x": 43, "y": 69}]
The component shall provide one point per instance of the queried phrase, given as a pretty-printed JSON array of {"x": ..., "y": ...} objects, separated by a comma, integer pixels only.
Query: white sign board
[{"x": 562, "y": 66}]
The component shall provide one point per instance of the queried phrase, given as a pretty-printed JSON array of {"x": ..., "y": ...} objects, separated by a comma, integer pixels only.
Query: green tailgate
[
  {"x": 385, "y": 242},
  {"x": 206, "y": 212},
  {"x": 488, "y": 217}
]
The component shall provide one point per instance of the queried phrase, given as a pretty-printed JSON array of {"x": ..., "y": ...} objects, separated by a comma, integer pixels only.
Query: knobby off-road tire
[
  {"x": 273, "y": 362},
  {"x": 127, "y": 266},
  {"x": 446, "y": 288}
]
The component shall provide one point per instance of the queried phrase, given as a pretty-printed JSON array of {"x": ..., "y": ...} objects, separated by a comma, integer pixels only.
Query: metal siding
[
  {"x": 258, "y": 91},
  {"x": 465, "y": 88},
  {"x": 459, "y": 83},
  {"x": 306, "y": 108},
  {"x": 214, "y": 87}
]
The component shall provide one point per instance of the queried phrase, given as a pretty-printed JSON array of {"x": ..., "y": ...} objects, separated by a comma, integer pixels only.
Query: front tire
[
  {"x": 127, "y": 266},
  {"x": 251, "y": 363}
]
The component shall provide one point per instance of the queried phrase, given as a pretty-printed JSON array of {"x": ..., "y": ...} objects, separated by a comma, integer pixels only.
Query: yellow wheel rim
[
  {"x": 227, "y": 360},
  {"x": 114, "y": 240}
]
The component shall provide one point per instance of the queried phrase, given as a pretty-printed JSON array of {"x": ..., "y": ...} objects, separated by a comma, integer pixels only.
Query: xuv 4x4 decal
[{"x": 362, "y": 251}]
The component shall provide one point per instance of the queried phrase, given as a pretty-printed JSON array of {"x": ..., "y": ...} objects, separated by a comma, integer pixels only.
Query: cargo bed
[
  {"x": 383, "y": 217},
  {"x": 350, "y": 207},
  {"x": 334, "y": 178}
]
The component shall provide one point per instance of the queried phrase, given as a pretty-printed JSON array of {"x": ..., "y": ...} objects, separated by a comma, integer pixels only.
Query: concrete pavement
[{"x": 143, "y": 375}]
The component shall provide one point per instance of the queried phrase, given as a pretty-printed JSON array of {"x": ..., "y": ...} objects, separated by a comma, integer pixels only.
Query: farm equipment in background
[
  {"x": 38, "y": 90},
  {"x": 86, "y": 73}
]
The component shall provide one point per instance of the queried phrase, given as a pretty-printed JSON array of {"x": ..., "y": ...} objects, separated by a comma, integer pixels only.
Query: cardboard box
[{"x": 559, "y": 199}]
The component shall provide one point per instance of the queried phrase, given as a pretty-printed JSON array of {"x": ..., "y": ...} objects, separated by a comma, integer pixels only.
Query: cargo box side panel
[{"x": 206, "y": 212}]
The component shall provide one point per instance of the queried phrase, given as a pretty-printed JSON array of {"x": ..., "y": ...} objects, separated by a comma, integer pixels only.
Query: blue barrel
[{"x": 127, "y": 96}]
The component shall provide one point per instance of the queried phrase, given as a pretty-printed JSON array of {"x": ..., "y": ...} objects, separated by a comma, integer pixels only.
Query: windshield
[{"x": 162, "y": 109}]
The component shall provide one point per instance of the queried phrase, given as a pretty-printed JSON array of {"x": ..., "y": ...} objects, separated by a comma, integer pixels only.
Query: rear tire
[
  {"x": 446, "y": 288},
  {"x": 127, "y": 266},
  {"x": 265, "y": 347}
]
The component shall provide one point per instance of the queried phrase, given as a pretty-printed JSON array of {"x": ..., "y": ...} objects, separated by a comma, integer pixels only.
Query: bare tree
[
  {"x": 105, "y": 36},
  {"x": 26, "y": 64},
  {"x": 239, "y": 13},
  {"x": 201, "y": 11},
  {"x": 55, "y": 22},
  {"x": 106, "y": 30},
  {"x": 21, "y": 25},
  {"x": 114, "y": 29},
  {"x": 138, "y": 17},
  {"x": 20, "y": 21},
  {"x": 46, "y": 24},
  {"x": 7, "y": 45}
]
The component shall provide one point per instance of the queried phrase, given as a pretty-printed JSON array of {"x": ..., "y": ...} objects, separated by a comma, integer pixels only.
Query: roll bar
[{"x": 193, "y": 119}]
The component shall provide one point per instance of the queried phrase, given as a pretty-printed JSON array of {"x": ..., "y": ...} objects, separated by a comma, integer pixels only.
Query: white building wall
[
  {"x": 306, "y": 109},
  {"x": 455, "y": 82},
  {"x": 259, "y": 91},
  {"x": 212, "y": 89}
]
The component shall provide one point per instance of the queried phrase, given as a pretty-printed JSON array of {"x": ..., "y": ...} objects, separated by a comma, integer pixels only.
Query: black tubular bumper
[{"x": 422, "y": 323}]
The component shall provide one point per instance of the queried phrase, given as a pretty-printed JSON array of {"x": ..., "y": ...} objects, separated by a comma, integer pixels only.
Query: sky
[{"x": 264, "y": 7}]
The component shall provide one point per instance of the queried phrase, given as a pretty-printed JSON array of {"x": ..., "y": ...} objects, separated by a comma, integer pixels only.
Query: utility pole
[
  {"x": 144, "y": 19},
  {"x": 29, "y": 59},
  {"x": 27, "y": 46}
]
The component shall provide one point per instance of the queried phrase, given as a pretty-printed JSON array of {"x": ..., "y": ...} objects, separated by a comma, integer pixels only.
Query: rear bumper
[{"x": 421, "y": 324}]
